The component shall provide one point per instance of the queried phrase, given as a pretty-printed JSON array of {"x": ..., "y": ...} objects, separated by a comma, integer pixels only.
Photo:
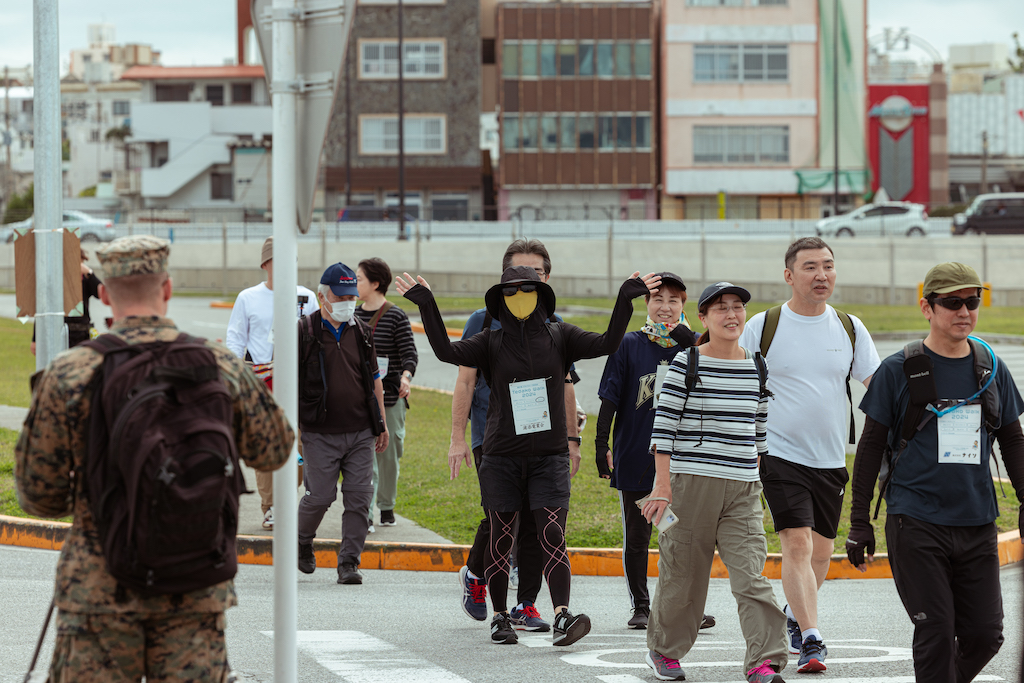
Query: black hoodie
[{"x": 527, "y": 352}]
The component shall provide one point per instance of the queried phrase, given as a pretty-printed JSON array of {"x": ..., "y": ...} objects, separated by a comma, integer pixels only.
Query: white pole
[
  {"x": 286, "y": 344},
  {"x": 48, "y": 201}
]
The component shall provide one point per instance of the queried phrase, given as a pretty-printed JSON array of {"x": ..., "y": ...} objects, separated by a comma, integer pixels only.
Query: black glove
[
  {"x": 419, "y": 295},
  {"x": 683, "y": 336},
  {"x": 861, "y": 538},
  {"x": 602, "y": 460},
  {"x": 632, "y": 288}
]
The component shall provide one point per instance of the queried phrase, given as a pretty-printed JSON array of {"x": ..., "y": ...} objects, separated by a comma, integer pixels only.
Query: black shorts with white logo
[
  {"x": 505, "y": 481},
  {"x": 800, "y": 496}
]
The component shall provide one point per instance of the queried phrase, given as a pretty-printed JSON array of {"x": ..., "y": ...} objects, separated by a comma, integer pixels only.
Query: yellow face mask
[{"x": 521, "y": 304}]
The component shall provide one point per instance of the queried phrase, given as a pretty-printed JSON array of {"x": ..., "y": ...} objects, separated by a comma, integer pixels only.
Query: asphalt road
[{"x": 408, "y": 626}]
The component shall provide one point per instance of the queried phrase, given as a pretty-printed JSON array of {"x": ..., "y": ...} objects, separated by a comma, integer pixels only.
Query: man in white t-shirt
[
  {"x": 809, "y": 357},
  {"x": 251, "y": 336}
]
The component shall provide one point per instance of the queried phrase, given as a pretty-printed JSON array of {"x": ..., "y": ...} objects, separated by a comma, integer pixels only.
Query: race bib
[
  {"x": 658, "y": 381},
  {"x": 382, "y": 365},
  {"x": 960, "y": 436},
  {"x": 530, "y": 406}
]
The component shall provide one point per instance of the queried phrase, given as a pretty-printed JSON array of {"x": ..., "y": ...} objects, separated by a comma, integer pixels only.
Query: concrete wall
[{"x": 870, "y": 270}]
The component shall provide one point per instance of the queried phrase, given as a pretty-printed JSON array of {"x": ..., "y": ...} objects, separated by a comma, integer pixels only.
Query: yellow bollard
[
  {"x": 920, "y": 291},
  {"x": 986, "y": 295}
]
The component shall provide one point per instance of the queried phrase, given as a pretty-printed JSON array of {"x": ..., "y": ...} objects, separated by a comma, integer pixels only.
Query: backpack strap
[
  {"x": 983, "y": 369},
  {"x": 847, "y": 322},
  {"x": 487, "y": 320},
  {"x": 493, "y": 350},
  {"x": 105, "y": 343},
  {"x": 771, "y": 323},
  {"x": 378, "y": 314},
  {"x": 762, "y": 376},
  {"x": 692, "y": 365}
]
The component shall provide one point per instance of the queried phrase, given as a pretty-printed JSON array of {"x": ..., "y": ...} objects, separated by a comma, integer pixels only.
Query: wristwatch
[{"x": 577, "y": 439}]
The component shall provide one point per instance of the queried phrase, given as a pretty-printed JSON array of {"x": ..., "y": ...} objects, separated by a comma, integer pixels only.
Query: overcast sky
[{"x": 202, "y": 32}]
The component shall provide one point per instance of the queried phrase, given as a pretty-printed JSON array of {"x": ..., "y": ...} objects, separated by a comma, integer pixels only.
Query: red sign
[{"x": 898, "y": 141}]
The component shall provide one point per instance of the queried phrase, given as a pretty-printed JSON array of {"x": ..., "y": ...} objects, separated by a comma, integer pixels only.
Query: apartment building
[
  {"x": 578, "y": 102},
  {"x": 747, "y": 107}
]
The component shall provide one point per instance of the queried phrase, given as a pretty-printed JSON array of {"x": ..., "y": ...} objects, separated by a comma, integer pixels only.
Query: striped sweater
[
  {"x": 719, "y": 430},
  {"x": 393, "y": 338}
]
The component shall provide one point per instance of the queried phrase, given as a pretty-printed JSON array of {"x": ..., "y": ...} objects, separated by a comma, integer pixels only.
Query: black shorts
[
  {"x": 800, "y": 496},
  {"x": 504, "y": 481}
]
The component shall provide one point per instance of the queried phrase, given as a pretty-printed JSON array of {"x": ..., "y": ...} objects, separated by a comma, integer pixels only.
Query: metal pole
[
  {"x": 835, "y": 106},
  {"x": 401, "y": 128},
  {"x": 48, "y": 200},
  {"x": 7, "y": 127},
  {"x": 348, "y": 135},
  {"x": 983, "y": 188},
  {"x": 286, "y": 343}
]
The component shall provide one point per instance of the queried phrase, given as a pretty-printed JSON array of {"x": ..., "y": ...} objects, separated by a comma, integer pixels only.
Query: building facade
[
  {"x": 747, "y": 107},
  {"x": 578, "y": 102},
  {"x": 104, "y": 60}
]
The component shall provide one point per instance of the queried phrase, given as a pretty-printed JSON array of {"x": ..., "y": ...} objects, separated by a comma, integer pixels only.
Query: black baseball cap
[
  {"x": 712, "y": 292},
  {"x": 672, "y": 279}
]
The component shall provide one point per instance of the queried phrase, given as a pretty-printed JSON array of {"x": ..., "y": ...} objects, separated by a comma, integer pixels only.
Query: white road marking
[
  {"x": 594, "y": 657},
  {"x": 626, "y": 678},
  {"x": 360, "y": 658}
]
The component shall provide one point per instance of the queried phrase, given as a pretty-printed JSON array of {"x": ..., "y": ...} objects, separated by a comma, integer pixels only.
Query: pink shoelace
[
  {"x": 669, "y": 662},
  {"x": 764, "y": 668}
]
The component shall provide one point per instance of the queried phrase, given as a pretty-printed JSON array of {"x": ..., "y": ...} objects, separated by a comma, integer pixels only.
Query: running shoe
[
  {"x": 641, "y": 613},
  {"x": 474, "y": 595},
  {"x": 513, "y": 577},
  {"x": 570, "y": 628},
  {"x": 371, "y": 530},
  {"x": 812, "y": 656},
  {"x": 707, "y": 621},
  {"x": 764, "y": 674},
  {"x": 387, "y": 518},
  {"x": 268, "y": 518},
  {"x": 665, "y": 668},
  {"x": 307, "y": 560},
  {"x": 528, "y": 619},
  {"x": 349, "y": 574},
  {"x": 795, "y": 639},
  {"x": 502, "y": 632}
]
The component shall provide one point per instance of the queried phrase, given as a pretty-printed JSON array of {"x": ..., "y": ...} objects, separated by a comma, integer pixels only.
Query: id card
[
  {"x": 659, "y": 380},
  {"x": 382, "y": 365},
  {"x": 960, "y": 436},
  {"x": 530, "y": 406}
]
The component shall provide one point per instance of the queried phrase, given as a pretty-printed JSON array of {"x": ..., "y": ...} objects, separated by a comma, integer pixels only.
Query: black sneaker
[
  {"x": 707, "y": 621},
  {"x": 640, "y": 616},
  {"x": 387, "y": 518},
  {"x": 502, "y": 632},
  {"x": 307, "y": 560},
  {"x": 812, "y": 656},
  {"x": 568, "y": 628},
  {"x": 349, "y": 574}
]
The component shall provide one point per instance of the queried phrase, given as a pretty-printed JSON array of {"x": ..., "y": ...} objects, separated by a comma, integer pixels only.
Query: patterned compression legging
[{"x": 551, "y": 532}]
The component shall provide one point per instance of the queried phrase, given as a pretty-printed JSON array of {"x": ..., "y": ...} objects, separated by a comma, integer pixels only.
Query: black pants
[
  {"x": 530, "y": 558},
  {"x": 636, "y": 539},
  {"x": 551, "y": 522},
  {"x": 948, "y": 579}
]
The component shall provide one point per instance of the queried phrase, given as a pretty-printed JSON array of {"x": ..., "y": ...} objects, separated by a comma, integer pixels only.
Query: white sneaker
[
  {"x": 371, "y": 530},
  {"x": 268, "y": 519}
]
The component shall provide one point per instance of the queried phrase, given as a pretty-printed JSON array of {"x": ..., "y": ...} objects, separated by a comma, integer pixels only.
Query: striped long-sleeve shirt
[
  {"x": 393, "y": 339},
  {"x": 719, "y": 429}
]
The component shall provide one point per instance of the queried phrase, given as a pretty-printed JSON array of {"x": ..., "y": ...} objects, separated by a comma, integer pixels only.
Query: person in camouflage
[{"x": 107, "y": 632}]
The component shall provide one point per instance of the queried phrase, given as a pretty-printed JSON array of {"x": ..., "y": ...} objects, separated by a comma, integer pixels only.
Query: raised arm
[
  {"x": 472, "y": 351},
  {"x": 581, "y": 344}
]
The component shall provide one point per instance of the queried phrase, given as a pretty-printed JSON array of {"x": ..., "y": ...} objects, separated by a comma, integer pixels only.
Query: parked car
[
  {"x": 992, "y": 213},
  {"x": 90, "y": 229},
  {"x": 870, "y": 220}
]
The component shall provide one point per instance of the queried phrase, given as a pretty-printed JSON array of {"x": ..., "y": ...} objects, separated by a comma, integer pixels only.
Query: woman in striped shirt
[{"x": 706, "y": 443}]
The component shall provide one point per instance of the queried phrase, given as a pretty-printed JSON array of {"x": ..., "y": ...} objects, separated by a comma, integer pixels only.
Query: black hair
[
  {"x": 526, "y": 247},
  {"x": 805, "y": 243},
  {"x": 376, "y": 270}
]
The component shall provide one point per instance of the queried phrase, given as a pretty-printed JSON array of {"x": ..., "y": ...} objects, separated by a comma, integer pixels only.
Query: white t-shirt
[
  {"x": 252, "y": 321},
  {"x": 807, "y": 366}
]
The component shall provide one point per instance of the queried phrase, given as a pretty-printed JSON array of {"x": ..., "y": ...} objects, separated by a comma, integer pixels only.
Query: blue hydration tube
[{"x": 979, "y": 392}]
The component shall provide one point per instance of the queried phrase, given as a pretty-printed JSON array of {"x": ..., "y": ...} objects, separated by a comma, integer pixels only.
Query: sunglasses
[
  {"x": 512, "y": 289},
  {"x": 954, "y": 303}
]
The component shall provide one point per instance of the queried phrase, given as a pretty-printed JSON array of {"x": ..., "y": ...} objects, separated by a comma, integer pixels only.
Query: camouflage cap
[{"x": 134, "y": 255}]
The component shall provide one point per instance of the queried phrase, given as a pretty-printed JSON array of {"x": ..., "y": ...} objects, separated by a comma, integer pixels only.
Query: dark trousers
[
  {"x": 948, "y": 579},
  {"x": 530, "y": 555},
  {"x": 636, "y": 538}
]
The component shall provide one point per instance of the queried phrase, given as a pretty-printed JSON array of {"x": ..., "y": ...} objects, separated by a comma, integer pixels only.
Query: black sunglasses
[
  {"x": 512, "y": 289},
  {"x": 954, "y": 303}
]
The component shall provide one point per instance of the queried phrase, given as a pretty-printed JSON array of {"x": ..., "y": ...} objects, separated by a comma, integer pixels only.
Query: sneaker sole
[
  {"x": 533, "y": 629},
  {"x": 511, "y": 639},
  {"x": 812, "y": 667},
  {"x": 389, "y": 523},
  {"x": 637, "y": 627},
  {"x": 660, "y": 677},
  {"x": 350, "y": 582},
  {"x": 462, "y": 601},
  {"x": 577, "y": 630},
  {"x": 707, "y": 622}
]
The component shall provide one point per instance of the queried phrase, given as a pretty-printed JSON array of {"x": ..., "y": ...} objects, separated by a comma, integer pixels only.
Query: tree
[
  {"x": 1017, "y": 61},
  {"x": 21, "y": 205}
]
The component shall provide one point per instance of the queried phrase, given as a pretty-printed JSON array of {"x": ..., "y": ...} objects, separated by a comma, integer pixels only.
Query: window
[
  {"x": 26, "y": 106},
  {"x": 529, "y": 138},
  {"x": 423, "y": 59},
  {"x": 105, "y": 176},
  {"x": 122, "y": 108},
  {"x": 94, "y": 136},
  {"x": 424, "y": 134},
  {"x": 715, "y": 3},
  {"x": 215, "y": 95},
  {"x": 173, "y": 93},
  {"x": 241, "y": 93},
  {"x": 605, "y": 60},
  {"x": 606, "y": 132},
  {"x": 586, "y": 52},
  {"x": 510, "y": 132},
  {"x": 586, "y": 128},
  {"x": 529, "y": 51},
  {"x": 623, "y": 59},
  {"x": 723, "y": 63},
  {"x": 643, "y": 131},
  {"x": 780, "y": 3},
  {"x": 740, "y": 144},
  {"x": 548, "y": 59},
  {"x": 549, "y": 132},
  {"x": 567, "y": 59},
  {"x": 487, "y": 51},
  {"x": 449, "y": 207},
  {"x": 222, "y": 186},
  {"x": 624, "y": 131},
  {"x": 567, "y": 131},
  {"x": 510, "y": 59},
  {"x": 642, "y": 56}
]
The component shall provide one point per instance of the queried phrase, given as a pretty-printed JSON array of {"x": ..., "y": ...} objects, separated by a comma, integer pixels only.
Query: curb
[
  {"x": 429, "y": 557},
  {"x": 418, "y": 327},
  {"x": 222, "y": 304}
]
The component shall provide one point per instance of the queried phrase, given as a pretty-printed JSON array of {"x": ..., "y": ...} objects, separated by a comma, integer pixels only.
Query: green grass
[
  {"x": 19, "y": 363},
  {"x": 8, "y": 496}
]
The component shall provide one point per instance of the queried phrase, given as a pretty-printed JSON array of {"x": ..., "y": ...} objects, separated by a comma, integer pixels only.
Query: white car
[
  {"x": 874, "y": 220},
  {"x": 90, "y": 229}
]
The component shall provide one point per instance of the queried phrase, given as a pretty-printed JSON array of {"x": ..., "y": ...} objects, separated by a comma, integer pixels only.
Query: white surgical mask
[{"x": 342, "y": 311}]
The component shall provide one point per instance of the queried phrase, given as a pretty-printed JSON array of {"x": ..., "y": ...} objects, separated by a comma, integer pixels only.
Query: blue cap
[{"x": 342, "y": 280}]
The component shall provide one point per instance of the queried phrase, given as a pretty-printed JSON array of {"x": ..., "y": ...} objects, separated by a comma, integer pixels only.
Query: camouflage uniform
[{"x": 106, "y": 632}]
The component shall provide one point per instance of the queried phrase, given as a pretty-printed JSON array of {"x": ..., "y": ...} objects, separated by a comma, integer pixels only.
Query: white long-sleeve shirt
[{"x": 251, "y": 326}]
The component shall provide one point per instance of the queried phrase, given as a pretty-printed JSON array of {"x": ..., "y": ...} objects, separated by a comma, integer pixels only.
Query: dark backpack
[
  {"x": 921, "y": 392},
  {"x": 771, "y": 323},
  {"x": 693, "y": 364},
  {"x": 161, "y": 474}
]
